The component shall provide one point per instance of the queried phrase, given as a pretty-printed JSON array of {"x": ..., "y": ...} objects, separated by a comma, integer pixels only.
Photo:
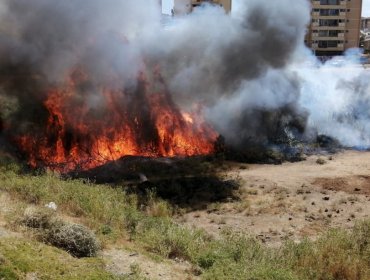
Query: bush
[
  {"x": 131, "y": 222},
  {"x": 361, "y": 237},
  {"x": 320, "y": 161},
  {"x": 332, "y": 256},
  {"x": 170, "y": 240},
  {"x": 76, "y": 239},
  {"x": 38, "y": 218},
  {"x": 159, "y": 209}
]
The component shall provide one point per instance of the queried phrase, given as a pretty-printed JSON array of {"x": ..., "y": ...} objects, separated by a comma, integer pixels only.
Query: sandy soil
[
  {"x": 120, "y": 262},
  {"x": 293, "y": 200}
]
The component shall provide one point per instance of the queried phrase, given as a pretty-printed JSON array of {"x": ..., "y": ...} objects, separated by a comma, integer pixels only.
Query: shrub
[
  {"x": 8, "y": 273},
  {"x": 320, "y": 161},
  {"x": 207, "y": 260},
  {"x": 159, "y": 209},
  {"x": 76, "y": 239},
  {"x": 171, "y": 240},
  {"x": 38, "y": 218},
  {"x": 361, "y": 237},
  {"x": 131, "y": 221},
  {"x": 28, "y": 259},
  {"x": 332, "y": 256}
]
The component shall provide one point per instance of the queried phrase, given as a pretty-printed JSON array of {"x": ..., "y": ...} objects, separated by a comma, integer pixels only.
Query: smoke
[
  {"x": 337, "y": 97},
  {"x": 247, "y": 69},
  {"x": 43, "y": 43},
  {"x": 237, "y": 66},
  {"x": 209, "y": 54},
  {"x": 54, "y": 37}
]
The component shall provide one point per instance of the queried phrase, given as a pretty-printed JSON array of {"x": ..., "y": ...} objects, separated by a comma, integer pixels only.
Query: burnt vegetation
[{"x": 192, "y": 182}]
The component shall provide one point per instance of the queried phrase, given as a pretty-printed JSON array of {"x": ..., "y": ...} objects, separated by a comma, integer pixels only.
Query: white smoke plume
[
  {"x": 247, "y": 69},
  {"x": 337, "y": 97}
]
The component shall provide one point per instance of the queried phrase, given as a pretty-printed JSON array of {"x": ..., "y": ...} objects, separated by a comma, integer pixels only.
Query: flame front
[{"x": 131, "y": 122}]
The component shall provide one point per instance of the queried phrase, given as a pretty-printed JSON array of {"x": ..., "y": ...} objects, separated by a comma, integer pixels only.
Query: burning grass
[{"x": 70, "y": 134}]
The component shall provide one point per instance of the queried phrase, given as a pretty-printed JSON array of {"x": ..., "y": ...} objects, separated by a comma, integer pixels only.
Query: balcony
[
  {"x": 325, "y": 38},
  {"x": 318, "y": 16},
  {"x": 316, "y": 5},
  {"x": 325, "y": 27},
  {"x": 316, "y": 47},
  {"x": 320, "y": 37}
]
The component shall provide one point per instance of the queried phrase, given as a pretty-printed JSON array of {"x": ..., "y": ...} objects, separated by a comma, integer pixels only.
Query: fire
[{"x": 129, "y": 122}]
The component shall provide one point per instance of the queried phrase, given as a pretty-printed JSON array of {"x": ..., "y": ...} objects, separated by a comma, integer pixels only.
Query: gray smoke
[
  {"x": 245, "y": 69},
  {"x": 43, "y": 41},
  {"x": 209, "y": 54},
  {"x": 237, "y": 66}
]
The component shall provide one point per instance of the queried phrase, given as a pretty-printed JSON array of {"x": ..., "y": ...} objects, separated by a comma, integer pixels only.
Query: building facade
[
  {"x": 365, "y": 34},
  {"x": 365, "y": 23},
  {"x": 335, "y": 26},
  {"x": 186, "y": 6}
]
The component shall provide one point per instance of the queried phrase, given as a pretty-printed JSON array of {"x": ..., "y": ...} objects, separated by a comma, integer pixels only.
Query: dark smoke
[{"x": 42, "y": 41}]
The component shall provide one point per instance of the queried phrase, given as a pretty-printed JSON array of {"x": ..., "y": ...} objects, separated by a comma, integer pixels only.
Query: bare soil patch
[
  {"x": 293, "y": 200},
  {"x": 357, "y": 184},
  {"x": 122, "y": 262}
]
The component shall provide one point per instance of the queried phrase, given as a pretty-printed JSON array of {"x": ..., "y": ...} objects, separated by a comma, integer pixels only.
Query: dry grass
[
  {"x": 337, "y": 254},
  {"x": 75, "y": 239}
]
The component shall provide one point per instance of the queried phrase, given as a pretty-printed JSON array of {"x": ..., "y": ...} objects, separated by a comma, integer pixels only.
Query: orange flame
[{"x": 144, "y": 123}]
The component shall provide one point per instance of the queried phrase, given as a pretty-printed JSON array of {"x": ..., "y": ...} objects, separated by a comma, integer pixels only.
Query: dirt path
[
  {"x": 343, "y": 164},
  {"x": 293, "y": 200},
  {"x": 123, "y": 262}
]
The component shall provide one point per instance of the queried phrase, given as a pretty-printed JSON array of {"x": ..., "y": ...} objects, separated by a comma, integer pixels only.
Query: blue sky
[{"x": 365, "y": 9}]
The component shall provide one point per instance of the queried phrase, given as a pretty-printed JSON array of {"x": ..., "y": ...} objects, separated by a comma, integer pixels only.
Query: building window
[
  {"x": 329, "y": 2},
  {"x": 328, "y": 44},
  {"x": 329, "y": 33},
  {"x": 328, "y": 22},
  {"x": 329, "y": 12}
]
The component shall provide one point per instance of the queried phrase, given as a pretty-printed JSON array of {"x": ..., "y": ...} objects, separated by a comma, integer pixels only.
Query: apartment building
[
  {"x": 186, "y": 6},
  {"x": 335, "y": 26},
  {"x": 365, "y": 23}
]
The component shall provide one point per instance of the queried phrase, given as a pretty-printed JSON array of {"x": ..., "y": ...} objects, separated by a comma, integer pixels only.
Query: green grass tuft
[{"x": 22, "y": 257}]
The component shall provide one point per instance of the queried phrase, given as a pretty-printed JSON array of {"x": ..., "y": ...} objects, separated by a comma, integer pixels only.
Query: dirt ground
[{"x": 293, "y": 200}]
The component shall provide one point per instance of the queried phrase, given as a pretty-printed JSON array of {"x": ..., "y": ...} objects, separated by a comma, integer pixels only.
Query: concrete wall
[
  {"x": 353, "y": 24},
  {"x": 182, "y": 7}
]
